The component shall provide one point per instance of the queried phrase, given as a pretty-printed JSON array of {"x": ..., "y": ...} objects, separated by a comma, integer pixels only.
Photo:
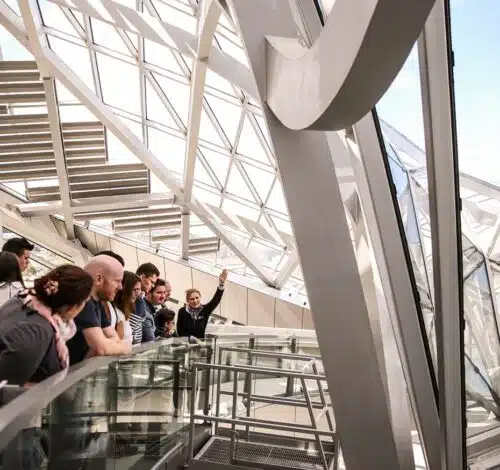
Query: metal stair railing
[{"x": 248, "y": 422}]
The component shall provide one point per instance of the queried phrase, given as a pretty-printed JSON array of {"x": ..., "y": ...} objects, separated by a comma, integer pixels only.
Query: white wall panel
[
  {"x": 128, "y": 252},
  {"x": 144, "y": 256},
  {"x": 180, "y": 277},
  {"x": 207, "y": 284},
  {"x": 87, "y": 238},
  {"x": 235, "y": 303},
  {"x": 260, "y": 309},
  {"x": 103, "y": 243},
  {"x": 307, "y": 320},
  {"x": 287, "y": 315}
]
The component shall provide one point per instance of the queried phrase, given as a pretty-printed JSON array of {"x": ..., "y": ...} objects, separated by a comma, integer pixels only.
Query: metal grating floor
[{"x": 217, "y": 450}]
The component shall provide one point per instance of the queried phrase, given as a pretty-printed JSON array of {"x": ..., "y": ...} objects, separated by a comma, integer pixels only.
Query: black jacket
[{"x": 187, "y": 326}]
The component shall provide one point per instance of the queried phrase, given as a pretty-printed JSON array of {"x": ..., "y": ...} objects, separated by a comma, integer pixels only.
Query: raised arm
[{"x": 213, "y": 304}]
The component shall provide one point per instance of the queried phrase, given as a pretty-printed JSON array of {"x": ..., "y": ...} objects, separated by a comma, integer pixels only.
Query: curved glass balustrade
[{"x": 130, "y": 412}]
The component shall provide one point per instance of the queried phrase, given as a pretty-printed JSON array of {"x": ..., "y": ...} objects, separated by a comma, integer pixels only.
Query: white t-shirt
[
  {"x": 8, "y": 290},
  {"x": 127, "y": 329}
]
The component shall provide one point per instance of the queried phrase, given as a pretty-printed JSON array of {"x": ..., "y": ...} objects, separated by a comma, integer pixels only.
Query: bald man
[{"x": 95, "y": 336}]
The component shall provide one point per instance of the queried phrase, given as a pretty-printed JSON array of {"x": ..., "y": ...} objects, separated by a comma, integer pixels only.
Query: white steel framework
[{"x": 185, "y": 125}]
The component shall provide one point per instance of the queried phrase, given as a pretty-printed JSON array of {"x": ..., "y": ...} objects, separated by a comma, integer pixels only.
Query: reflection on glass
[{"x": 125, "y": 415}]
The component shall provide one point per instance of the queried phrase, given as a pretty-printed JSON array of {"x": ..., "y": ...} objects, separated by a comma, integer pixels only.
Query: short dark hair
[
  {"x": 159, "y": 283},
  {"x": 10, "y": 271},
  {"x": 147, "y": 269},
  {"x": 114, "y": 255},
  {"x": 72, "y": 287},
  {"x": 163, "y": 316},
  {"x": 17, "y": 246}
]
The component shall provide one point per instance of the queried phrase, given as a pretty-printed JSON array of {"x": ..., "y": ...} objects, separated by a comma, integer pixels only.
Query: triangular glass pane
[
  {"x": 105, "y": 35},
  {"x": 188, "y": 60},
  {"x": 218, "y": 163},
  {"x": 76, "y": 58},
  {"x": 282, "y": 225},
  {"x": 161, "y": 56},
  {"x": 214, "y": 80},
  {"x": 228, "y": 116},
  {"x": 201, "y": 174},
  {"x": 178, "y": 95},
  {"x": 13, "y": 5},
  {"x": 206, "y": 196},
  {"x": 236, "y": 185},
  {"x": 127, "y": 99},
  {"x": 234, "y": 50},
  {"x": 261, "y": 180},
  {"x": 250, "y": 145},
  {"x": 134, "y": 126},
  {"x": 277, "y": 199},
  {"x": 241, "y": 209},
  {"x": 176, "y": 17},
  {"x": 53, "y": 17},
  {"x": 207, "y": 130},
  {"x": 78, "y": 17},
  {"x": 169, "y": 149},
  {"x": 263, "y": 128},
  {"x": 156, "y": 110}
]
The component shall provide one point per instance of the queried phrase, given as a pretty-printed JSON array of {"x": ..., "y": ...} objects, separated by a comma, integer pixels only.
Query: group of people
[{"x": 73, "y": 313}]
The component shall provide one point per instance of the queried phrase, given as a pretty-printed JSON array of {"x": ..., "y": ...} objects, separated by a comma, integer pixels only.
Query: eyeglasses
[{"x": 137, "y": 290}]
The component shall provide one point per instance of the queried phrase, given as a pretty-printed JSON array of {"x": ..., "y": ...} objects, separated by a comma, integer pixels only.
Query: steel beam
[
  {"x": 389, "y": 250},
  {"x": 290, "y": 266},
  {"x": 73, "y": 83},
  {"x": 435, "y": 57},
  {"x": 350, "y": 47},
  {"x": 33, "y": 22},
  {"x": 209, "y": 13},
  {"x": 328, "y": 261}
]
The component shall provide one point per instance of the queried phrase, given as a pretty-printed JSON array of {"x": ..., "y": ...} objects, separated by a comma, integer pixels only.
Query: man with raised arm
[{"x": 95, "y": 336}]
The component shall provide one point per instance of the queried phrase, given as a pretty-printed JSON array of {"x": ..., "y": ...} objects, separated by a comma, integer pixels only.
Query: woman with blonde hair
[{"x": 193, "y": 318}]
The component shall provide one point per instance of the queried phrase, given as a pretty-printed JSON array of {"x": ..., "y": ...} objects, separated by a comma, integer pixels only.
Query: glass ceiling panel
[
  {"x": 201, "y": 174},
  {"x": 169, "y": 149},
  {"x": 236, "y": 185},
  {"x": 214, "y": 80},
  {"x": 106, "y": 35},
  {"x": 76, "y": 57},
  {"x": 10, "y": 47},
  {"x": 117, "y": 92},
  {"x": 206, "y": 196},
  {"x": 218, "y": 163},
  {"x": 176, "y": 16},
  {"x": 208, "y": 131},
  {"x": 117, "y": 152},
  {"x": 277, "y": 199},
  {"x": 53, "y": 17},
  {"x": 161, "y": 56},
  {"x": 261, "y": 180},
  {"x": 178, "y": 95},
  {"x": 156, "y": 110},
  {"x": 228, "y": 116},
  {"x": 240, "y": 209},
  {"x": 249, "y": 144}
]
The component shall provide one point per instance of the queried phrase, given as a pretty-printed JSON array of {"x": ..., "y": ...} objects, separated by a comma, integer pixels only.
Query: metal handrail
[
  {"x": 20, "y": 411},
  {"x": 260, "y": 370}
]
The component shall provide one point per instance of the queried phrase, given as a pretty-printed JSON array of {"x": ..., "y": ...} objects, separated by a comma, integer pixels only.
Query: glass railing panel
[{"x": 126, "y": 414}]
